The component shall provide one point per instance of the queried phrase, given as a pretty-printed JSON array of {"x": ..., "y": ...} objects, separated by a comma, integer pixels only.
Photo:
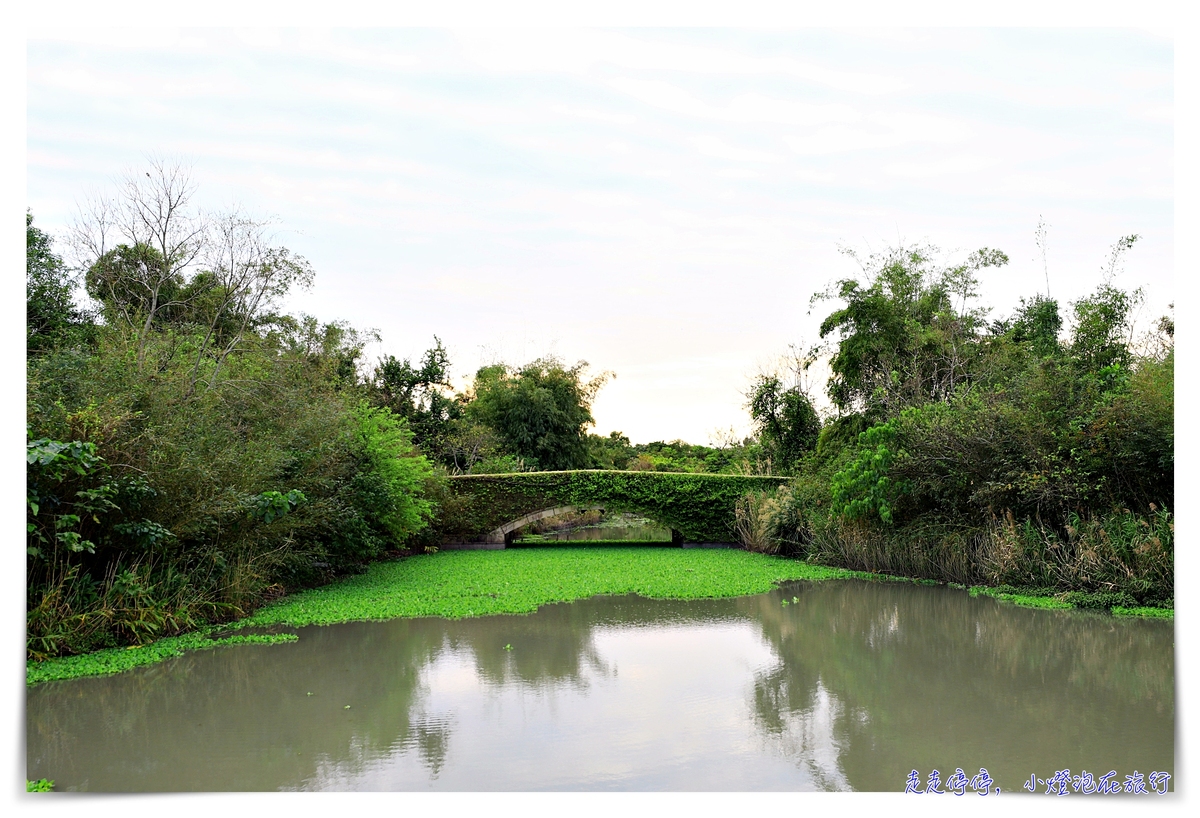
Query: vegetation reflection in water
[{"x": 850, "y": 686}]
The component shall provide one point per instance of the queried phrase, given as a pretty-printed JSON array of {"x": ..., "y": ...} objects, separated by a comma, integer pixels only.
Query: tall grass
[
  {"x": 756, "y": 520},
  {"x": 74, "y": 613},
  {"x": 1120, "y": 552}
]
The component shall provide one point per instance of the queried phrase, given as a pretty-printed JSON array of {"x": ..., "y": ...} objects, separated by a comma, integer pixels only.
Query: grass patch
[
  {"x": 1154, "y": 613},
  {"x": 1026, "y": 599},
  {"x": 116, "y": 660},
  {"x": 41, "y": 785},
  {"x": 459, "y": 584},
  {"x": 1050, "y": 599}
]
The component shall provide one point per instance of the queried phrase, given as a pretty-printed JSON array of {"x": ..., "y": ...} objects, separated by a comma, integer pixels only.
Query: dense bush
[
  {"x": 1004, "y": 453},
  {"x": 193, "y": 452}
]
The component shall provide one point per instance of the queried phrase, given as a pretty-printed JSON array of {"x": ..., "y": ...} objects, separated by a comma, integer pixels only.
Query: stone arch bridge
[{"x": 698, "y": 508}]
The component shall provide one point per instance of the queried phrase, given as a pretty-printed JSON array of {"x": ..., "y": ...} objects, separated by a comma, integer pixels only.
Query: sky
[{"x": 661, "y": 203}]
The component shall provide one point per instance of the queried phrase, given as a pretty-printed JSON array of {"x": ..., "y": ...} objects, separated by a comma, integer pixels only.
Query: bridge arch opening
[
  {"x": 506, "y": 534},
  {"x": 699, "y": 509}
]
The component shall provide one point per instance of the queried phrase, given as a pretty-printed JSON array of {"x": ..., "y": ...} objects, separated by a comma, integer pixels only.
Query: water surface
[{"x": 850, "y": 687}]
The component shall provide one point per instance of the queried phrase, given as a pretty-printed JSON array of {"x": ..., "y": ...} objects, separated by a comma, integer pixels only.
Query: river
[{"x": 850, "y": 685}]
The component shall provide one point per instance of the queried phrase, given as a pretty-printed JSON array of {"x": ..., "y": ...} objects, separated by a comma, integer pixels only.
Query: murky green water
[{"x": 850, "y": 688}]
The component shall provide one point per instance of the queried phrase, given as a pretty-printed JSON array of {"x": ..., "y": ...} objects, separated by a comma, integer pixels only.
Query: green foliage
[
  {"x": 73, "y": 502},
  {"x": 612, "y": 452},
  {"x": 1037, "y": 324},
  {"x": 1151, "y": 613},
  {"x": 41, "y": 785},
  {"x": 392, "y": 474},
  {"x": 273, "y": 505},
  {"x": 677, "y": 456},
  {"x": 901, "y": 337},
  {"x": 1099, "y": 600},
  {"x": 51, "y": 317},
  {"x": 983, "y": 424},
  {"x": 1100, "y": 335},
  {"x": 540, "y": 412},
  {"x": 131, "y": 284},
  {"x": 1126, "y": 445},
  {"x": 864, "y": 488},
  {"x": 117, "y": 660},
  {"x": 1024, "y": 599},
  {"x": 201, "y": 453},
  {"x": 785, "y": 421},
  {"x": 699, "y": 506},
  {"x": 1118, "y": 603},
  {"x": 616, "y": 452},
  {"x": 417, "y": 393}
]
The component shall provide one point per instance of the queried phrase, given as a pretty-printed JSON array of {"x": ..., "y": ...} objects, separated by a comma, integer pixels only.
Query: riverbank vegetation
[
  {"x": 460, "y": 584},
  {"x": 457, "y": 584},
  {"x": 193, "y": 452},
  {"x": 1016, "y": 451}
]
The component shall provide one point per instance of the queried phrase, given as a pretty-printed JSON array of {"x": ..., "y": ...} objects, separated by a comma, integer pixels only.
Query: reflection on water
[{"x": 848, "y": 688}]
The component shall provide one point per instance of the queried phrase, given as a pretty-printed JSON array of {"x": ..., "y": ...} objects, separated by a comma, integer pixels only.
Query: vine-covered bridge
[{"x": 698, "y": 508}]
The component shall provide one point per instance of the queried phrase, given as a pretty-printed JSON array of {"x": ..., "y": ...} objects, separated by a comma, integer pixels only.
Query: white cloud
[
  {"x": 576, "y": 50},
  {"x": 658, "y": 202},
  {"x": 715, "y": 147}
]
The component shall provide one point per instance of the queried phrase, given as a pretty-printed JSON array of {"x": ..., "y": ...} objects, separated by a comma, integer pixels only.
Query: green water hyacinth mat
[
  {"x": 116, "y": 660},
  {"x": 457, "y": 584}
]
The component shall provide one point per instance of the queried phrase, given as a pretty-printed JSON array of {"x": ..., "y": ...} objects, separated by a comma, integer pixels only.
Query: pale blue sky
[{"x": 661, "y": 203}]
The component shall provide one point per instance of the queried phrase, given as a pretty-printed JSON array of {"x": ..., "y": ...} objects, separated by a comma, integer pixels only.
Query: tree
[
  {"x": 1101, "y": 330},
  {"x": 218, "y": 275},
  {"x": 244, "y": 278},
  {"x": 785, "y": 421},
  {"x": 904, "y": 333},
  {"x": 50, "y": 313},
  {"x": 1037, "y": 324},
  {"x": 612, "y": 452},
  {"x": 540, "y": 412},
  {"x": 164, "y": 234},
  {"x": 418, "y": 394},
  {"x": 117, "y": 280}
]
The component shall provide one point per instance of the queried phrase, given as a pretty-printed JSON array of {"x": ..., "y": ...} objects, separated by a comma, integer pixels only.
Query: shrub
[{"x": 864, "y": 487}]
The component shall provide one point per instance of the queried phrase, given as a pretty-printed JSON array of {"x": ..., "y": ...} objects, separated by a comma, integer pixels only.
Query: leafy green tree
[
  {"x": 785, "y": 421},
  {"x": 904, "y": 333},
  {"x": 162, "y": 236},
  {"x": 417, "y": 393},
  {"x": 612, "y": 452},
  {"x": 50, "y": 313},
  {"x": 392, "y": 475},
  {"x": 1100, "y": 333},
  {"x": 864, "y": 488},
  {"x": 540, "y": 412},
  {"x": 128, "y": 283},
  {"x": 1038, "y": 324}
]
